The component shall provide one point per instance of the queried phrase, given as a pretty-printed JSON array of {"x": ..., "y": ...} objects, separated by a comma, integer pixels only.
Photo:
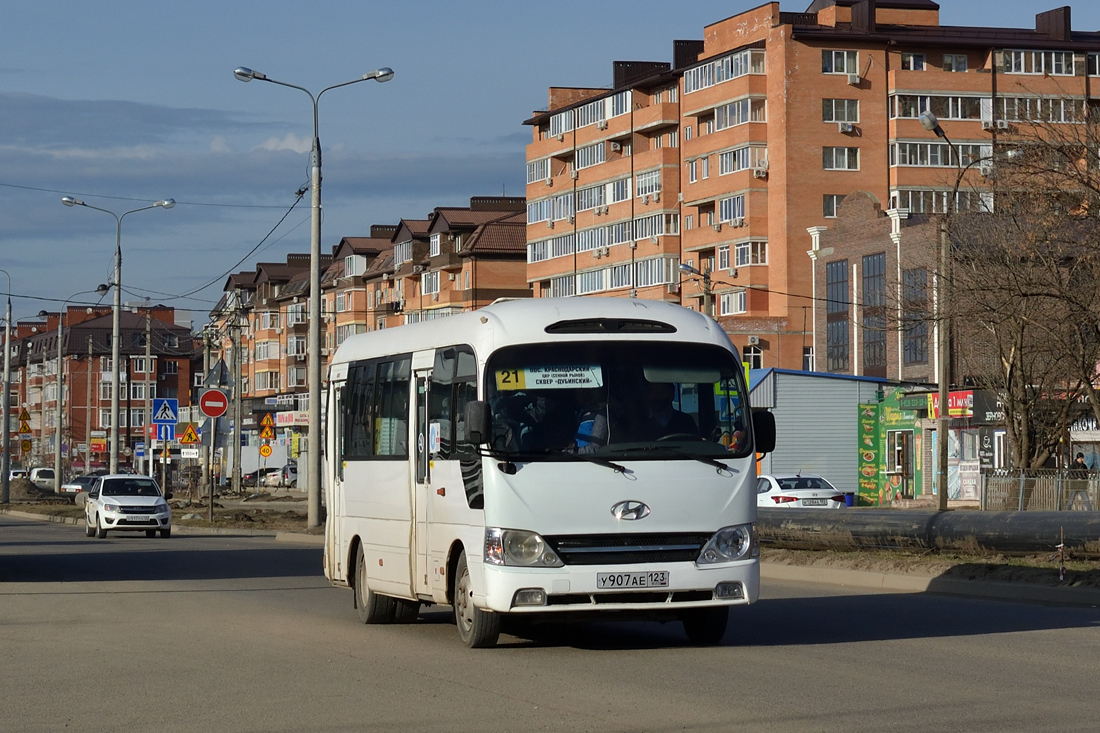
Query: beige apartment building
[{"x": 726, "y": 160}]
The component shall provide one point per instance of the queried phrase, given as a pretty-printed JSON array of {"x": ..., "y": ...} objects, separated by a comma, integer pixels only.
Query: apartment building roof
[
  {"x": 892, "y": 4},
  {"x": 381, "y": 265},
  {"x": 504, "y": 235},
  {"x": 411, "y": 229},
  {"x": 362, "y": 245},
  {"x": 297, "y": 286}
]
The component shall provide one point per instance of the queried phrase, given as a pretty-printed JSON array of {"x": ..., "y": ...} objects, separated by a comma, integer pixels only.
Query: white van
[
  {"x": 548, "y": 456},
  {"x": 44, "y": 478}
]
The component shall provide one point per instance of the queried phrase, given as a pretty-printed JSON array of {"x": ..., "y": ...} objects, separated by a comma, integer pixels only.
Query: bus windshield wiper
[
  {"x": 679, "y": 454},
  {"x": 590, "y": 457},
  {"x": 508, "y": 457}
]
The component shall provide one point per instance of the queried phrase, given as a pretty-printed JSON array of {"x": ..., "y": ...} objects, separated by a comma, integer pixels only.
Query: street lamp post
[
  {"x": 58, "y": 412},
  {"x": 116, "y": 311},
  {"x": 943, "y": 322},
  {"x": 313, "y": 462},
  {"x": 5, "y": 460}
]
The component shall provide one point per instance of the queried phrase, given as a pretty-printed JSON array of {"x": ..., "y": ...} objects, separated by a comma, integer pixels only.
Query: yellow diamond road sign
[
  {"x": 268, "y": 421},
  {"x": 190, "y": 437},
  {"x": 267, "y": 433}
]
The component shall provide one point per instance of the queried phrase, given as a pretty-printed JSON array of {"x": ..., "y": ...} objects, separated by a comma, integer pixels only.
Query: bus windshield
[{"x": 628, "y": 400}]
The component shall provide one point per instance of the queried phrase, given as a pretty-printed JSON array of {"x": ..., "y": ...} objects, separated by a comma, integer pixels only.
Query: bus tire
[
  {"x": 706, "y": 626},
  {"x": 407, "y": 612},
  {"x": 477, "y": 628},
  {"x": 372, "y": 608}
]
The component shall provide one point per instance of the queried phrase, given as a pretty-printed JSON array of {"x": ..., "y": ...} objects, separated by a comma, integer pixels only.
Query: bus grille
[{"x": 627, "y": 549}]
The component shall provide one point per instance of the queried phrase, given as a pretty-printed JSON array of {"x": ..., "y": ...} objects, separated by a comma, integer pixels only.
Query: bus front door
[{"x": 421, "y": 485}]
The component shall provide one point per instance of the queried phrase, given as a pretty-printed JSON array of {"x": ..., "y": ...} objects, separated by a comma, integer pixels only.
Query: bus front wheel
[
  {"x": 371, "y": 607},
  {"x": 477, "y": 628}
]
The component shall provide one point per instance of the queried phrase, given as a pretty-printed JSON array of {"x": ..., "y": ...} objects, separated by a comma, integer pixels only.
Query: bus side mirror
[
  {"x": 477, "y": 422},
  {"x": 763, "y": 430}
]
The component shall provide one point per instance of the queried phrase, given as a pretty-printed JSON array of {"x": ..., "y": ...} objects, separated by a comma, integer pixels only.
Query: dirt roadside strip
[{"x": 895, "y": 582}]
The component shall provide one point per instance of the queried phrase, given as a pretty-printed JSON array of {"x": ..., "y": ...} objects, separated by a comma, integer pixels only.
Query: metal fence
[{"x": 1039, "y": 490}]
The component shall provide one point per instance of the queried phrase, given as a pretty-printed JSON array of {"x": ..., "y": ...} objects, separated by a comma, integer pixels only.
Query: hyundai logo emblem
[{"x": 630, "y": 510}]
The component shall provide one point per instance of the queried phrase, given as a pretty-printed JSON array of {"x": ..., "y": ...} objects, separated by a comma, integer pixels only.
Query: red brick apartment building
[
  {"x": 725, "y": 159},
  {"x": 87, "y": 369}
]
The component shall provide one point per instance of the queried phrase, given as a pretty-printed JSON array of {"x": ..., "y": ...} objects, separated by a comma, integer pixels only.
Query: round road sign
[
  {"x": 213, "y": 403},
  {"x": 265, "y": 451},
  {"x": 25, "y": 445}
]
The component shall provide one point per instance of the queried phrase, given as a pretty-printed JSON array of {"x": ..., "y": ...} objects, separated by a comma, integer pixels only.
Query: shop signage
[
  {"x": 959, "y": 404},
  {"x": 291, "y": 418}
]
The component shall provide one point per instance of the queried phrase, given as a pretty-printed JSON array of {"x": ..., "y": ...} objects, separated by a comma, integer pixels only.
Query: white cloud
[
  {"x": 219, "y": 145},
  {"x": 290, "y": 142}
]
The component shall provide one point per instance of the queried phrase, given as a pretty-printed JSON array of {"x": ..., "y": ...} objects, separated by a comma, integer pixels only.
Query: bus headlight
[
  {"x": 729, "y": 544},
  {"x": 518, "y": 547}
]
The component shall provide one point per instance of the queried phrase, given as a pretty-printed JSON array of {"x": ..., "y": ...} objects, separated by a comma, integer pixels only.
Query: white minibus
[{"x": 549, "y": 458}]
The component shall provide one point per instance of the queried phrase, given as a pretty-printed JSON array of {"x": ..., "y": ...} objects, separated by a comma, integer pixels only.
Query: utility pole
[
  {"x": 236, "y": 343},
  {"x": 148, "y": 393},
  {"x": 5, "y": 457},
  {"x": 207, "y": 458},
  {"x": 88, "y": 414}
]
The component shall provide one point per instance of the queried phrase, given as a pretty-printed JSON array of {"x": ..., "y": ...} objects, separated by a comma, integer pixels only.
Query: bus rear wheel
[
  {"x": 371, "y": 607},
  {"x": 477, "y": 628}
]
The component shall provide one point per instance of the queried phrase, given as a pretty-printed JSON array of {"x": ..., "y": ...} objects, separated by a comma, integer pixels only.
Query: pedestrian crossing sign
[{"x": 166, "y": 411}]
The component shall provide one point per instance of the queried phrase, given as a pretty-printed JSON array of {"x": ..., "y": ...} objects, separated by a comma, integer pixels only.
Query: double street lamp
[
  {"x": 116, "y": 337},
  {"x": 58, "y": 412},
  {"x": 313, "y": 459}
]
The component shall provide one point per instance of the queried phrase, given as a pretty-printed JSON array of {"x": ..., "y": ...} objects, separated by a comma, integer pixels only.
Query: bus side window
[
  {"x": 358, "y": 427},
  {"x": 391, "y": 408}
]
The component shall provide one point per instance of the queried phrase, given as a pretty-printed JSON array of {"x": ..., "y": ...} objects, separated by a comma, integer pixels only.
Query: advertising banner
[{"x": 870, "y": 449}]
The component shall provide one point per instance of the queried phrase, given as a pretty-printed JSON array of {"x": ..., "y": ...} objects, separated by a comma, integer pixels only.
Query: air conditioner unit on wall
[
  {"x": 601, "y": 124},
  {"x": 549, "y": 181},
  {"x": 986, "y": 170},
  {"x": 574, "y": 174},
  {"x": 718, "y": 227},
  {"x": 656, "y": 197},
  {"x": 561, "y": 137},
  {"x": 759, "y": 172},
  {"x": 645, "y": 199},
  {"x": 845, "y": 126},
  {"x": 987, "y": 124},
  {"x": 737, "y": 222},
  {"x": 1002, "y": 124},
  {"x": 753, "y": 340},
  {"x": 854, "y": 79},
  {"x": 616, "y": 147}
]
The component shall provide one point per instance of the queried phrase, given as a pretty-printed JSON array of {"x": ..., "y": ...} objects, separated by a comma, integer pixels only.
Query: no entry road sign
[{"x": 213, "y": 403}]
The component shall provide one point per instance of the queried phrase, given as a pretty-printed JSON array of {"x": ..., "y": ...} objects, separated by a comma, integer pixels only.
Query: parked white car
[
  {"x": 126, "y": 502},
  {"x": 17, "y": 473},
  {"x": 77, "y": 485},
  {"x": 798, "y": 491}
]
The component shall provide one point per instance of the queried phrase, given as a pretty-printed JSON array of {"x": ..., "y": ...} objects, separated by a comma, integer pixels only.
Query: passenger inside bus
[{"x": 664, "y": 419}]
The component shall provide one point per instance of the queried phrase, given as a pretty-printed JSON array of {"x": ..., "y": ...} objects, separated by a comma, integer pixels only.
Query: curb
[
  {"x": 1020, "y": 592},
  {"x": 279, "y": 536}
]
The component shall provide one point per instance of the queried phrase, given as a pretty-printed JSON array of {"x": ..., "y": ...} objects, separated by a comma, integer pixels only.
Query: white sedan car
[
  {"x": 798, "y": 491},
  {"x": 126, "y": 502}
]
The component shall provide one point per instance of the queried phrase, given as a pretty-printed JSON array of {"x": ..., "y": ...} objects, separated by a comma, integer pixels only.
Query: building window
[
  {"x": 739, "y": 159},
  {"x": 751, "y": 253},
  {"x": 687, "y": 128},
  {"x": 137, "y": 418},
  {"x": 648, "y": 182},
  {"x": 753, "y": 356},
  {"x": 171, "y": 367},
  {"x": 728, "y": 67},
  {"x": 839, "y": 62},
  {"x": 538, "y": 170},
  {"x": 874, "y": 315},
  {"x": 589, "y": 156},
  {"x": 912, "y": 61},
  {"x": 430, "y": 283},
  {"x": 914, "y": 315},
  {"x": 954, "y": 62},
  {"x": 937, "y": 154},
  {"x": 731, "y": 208},
  {"x": 296, "y": 346},
  {"x": 724, "y": 257},
  {"x": 689, "y": 221},
  {"x": 104, "y": 418},
  {"x": 1053, "y": 63},
  {"x": 740, "y": 112},
  {"x": 1094, "y": 64},
  {"x": 807, "y": 358},
  {"x": 295, "y": 377},
  {"x": 840, "y": 159},
  {"x": 433, "y": 245},
  {"x": 466, "y": 280},
  {"x": 137, "y": 365},
  {"x": 836, "y": 316},
  {"x": 561, "y": 287},
  {"x": 693, "y": 171},
  {"x": 341, "y": 302},
  {"x": 704, "y": 167},
  {"x": 296, "y": 313},
  {"x": 830, "y": 202},
  {"x": 840, "y": 110},
  {"x": 734, "y": 303},
  {"x": 269, "y": 319}
]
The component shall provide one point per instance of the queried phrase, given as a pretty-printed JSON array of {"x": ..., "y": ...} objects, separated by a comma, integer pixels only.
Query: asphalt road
[{"x": 199, "y": 633}]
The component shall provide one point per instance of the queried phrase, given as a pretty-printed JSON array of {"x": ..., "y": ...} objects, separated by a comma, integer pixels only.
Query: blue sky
[{"x": 124, "y": 103}]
